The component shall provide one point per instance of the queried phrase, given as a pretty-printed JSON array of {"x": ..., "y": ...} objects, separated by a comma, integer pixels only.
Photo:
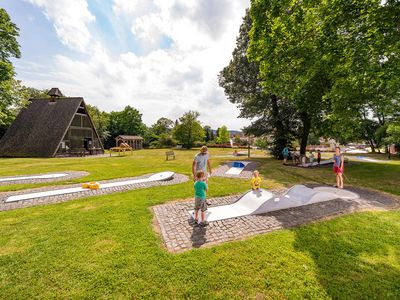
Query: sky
[{"x": 160, "y": 56}]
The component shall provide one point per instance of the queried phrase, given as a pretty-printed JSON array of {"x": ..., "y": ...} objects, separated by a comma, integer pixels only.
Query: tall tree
[
  {"x": 241, "y": 81},
  {"x": 189, "y": 130},
  {"x": 363, "y": 38},
  {"x": 127, "y": 121},
  {"x": 9, "y": 46},
  {"x": 15, "y": 98},
  {"x": 10, "y": 89},
  {"x": 160, "y": 134},
  {"x": 162, "y": 126},
  {"x": 237, "y": 139},
  {"x": 101, "y": 120},
  {"x": 209, "y": 136},
  {"x": 286, "y": 42},
  {"x": 223, "y": 135}
]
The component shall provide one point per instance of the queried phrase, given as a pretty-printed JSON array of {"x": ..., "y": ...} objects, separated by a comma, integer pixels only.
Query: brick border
[{"x": 178, "y": 178}]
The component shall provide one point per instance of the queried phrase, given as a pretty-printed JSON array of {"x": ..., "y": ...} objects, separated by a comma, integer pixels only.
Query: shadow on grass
[{"x": 356, "y": 257}]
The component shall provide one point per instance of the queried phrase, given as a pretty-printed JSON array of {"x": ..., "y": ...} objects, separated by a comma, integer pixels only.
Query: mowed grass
[{"x": 105, "y": 247}]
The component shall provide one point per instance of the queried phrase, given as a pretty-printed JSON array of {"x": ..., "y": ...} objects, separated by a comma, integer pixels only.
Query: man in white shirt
[{"x": 200, "y": 162}]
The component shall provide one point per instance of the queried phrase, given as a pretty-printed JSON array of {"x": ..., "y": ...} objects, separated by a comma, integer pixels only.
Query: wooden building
[
  {"x": 50, "y": 127},
  {"x": 134, "y": 141}
]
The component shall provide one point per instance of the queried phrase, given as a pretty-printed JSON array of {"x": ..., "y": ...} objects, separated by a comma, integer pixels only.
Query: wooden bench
[
  {"x": 78, "y": 152},
  {"x": 169, "y": 154}
]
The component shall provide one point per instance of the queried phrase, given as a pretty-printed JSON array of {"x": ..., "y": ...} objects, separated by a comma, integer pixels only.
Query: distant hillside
[{"x": 231, "y": 132}]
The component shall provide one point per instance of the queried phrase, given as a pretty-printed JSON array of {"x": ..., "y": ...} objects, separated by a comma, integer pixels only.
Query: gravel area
[
  {"x": 179, "y": 233},
  {"x": 71, "y": 175},
  {"x": 178, "y": 178}
]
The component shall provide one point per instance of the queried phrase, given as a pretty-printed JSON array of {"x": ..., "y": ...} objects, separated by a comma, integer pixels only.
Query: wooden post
[{"x": 248, "y": 148}]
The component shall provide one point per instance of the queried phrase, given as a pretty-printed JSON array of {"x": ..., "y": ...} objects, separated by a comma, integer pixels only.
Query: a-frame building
[{"x": 50, "y": 127}]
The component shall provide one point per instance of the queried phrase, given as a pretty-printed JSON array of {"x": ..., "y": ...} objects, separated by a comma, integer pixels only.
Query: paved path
[
  {"x": 247, "y": 172},
  {"x": 180, "y": 234},
  {"x": 71, "y": 175},
  {"x": 178, "y": 178}
]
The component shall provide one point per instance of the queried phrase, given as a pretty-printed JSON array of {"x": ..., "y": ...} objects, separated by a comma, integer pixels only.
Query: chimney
[{"x": 54, "y": 93}]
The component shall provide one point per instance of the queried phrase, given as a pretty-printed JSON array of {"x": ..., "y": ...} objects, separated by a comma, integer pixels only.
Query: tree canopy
[
  {"x": 189, "y": 130},
  {"x": 10, "y": 89},
  {"x": 128, "y": 121},
  {"x": 331, "y": 64},
  {"x": 223, "y": 135}
]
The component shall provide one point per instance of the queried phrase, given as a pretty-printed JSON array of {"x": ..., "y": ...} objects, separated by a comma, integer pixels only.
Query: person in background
[
  {"x": 200, "y": 163},
  {"x": 285, "y": 153},
  {"x": 338, "y": 167},
  {"x": 319, "y": 157},
  {"x": 303, "y": 159},
  {"x": 311, "y": 158}
]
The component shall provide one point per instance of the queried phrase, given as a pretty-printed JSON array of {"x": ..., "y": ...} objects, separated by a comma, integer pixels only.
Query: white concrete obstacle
[
  {"x": 155, "y": 177},
  {"x": 237, "y": 167},
  {"x": 262, "y": 201},
  {"x": 315, "y": 164},
  {"x": 44, "y": 176},
  {"x": 367, "y": 159}
]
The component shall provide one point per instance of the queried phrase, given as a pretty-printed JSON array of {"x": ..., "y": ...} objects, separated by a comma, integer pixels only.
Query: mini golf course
[
  {"x": 296, "y": 206},
  {"x": 262, "y": 201},
  {"x": 38, "y": 196}
]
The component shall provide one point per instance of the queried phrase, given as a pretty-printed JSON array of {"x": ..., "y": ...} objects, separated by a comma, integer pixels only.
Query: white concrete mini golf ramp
[
  {"x": 300, "y": 195},
  {"x": 263, "y": 201},
  {"x": 28, "y": 177},
  {"x": 368, "y": 159},
  {"x": 237, "y": 167},
  {"x": 315, "y": 164},
  {"x": 155, "y": 177},
  {"x": 245, "y": 205}
]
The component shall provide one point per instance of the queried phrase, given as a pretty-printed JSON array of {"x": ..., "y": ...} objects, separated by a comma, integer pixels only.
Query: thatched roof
[
  {"x": 129, "y": 137},
  {"x": 38, "y": 129},
  {"x": 55, "y": 92}
]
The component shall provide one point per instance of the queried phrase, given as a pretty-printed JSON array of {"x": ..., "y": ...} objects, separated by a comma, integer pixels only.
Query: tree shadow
[{"x": 356, "y": 257}]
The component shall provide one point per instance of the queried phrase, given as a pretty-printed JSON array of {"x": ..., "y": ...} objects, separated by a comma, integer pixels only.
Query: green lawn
[{"x": 105, "y": 247}]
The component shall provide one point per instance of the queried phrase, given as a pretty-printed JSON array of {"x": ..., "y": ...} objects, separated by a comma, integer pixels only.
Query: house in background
[{"x": 51, "y": 127}]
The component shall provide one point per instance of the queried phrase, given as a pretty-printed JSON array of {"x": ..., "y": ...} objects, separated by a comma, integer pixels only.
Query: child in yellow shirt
[{"x": 256, "y": 180}]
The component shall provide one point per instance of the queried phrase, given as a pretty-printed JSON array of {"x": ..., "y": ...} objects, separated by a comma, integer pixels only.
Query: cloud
[
  {"x": 211, "y": 16},
  {"x": 162, "y": 81},
  {"x": 70, "y": 19}
]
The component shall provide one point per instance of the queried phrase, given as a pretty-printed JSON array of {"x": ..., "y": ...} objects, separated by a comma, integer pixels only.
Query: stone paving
[
  {"x": 178, "y": 178},
  {"x": 180, "y": 234},
  {"x": 247, "y": 172},
  {"x": 71, "y": 175}
]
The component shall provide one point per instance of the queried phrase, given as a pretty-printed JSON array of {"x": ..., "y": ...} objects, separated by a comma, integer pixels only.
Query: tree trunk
[
  {"x": 281, "y": 136},
  {"x": 306, "y": 120},
  {"x": 371, "y": 143}
]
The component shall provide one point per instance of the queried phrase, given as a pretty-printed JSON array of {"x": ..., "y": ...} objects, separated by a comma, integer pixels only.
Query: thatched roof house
[{"x": 51, "y": 127}]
